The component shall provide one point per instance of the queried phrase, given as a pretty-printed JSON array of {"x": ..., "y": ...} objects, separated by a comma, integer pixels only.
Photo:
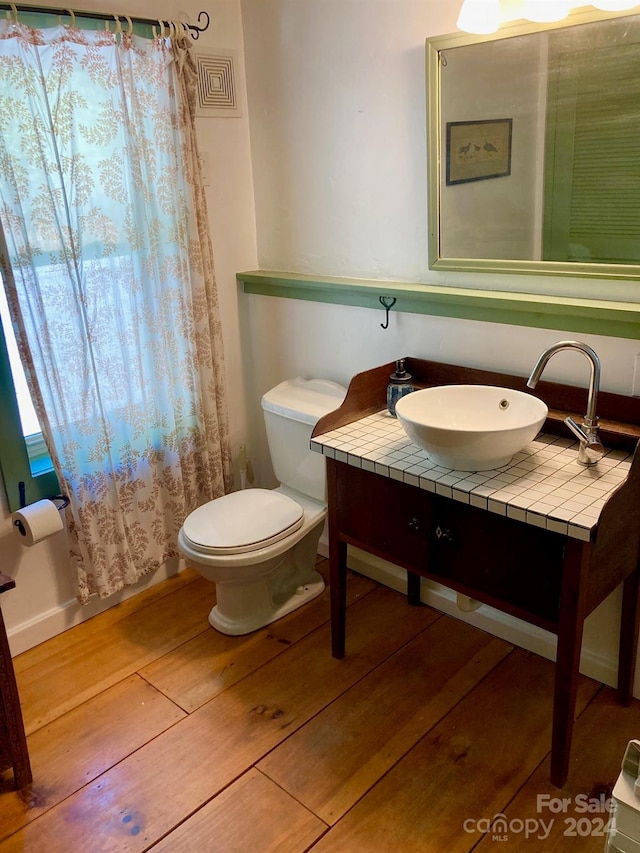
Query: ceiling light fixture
[
  {"x": 545, "y": 11},
  {"x": 614, "y": 5},
  {"x": 479, "y": 16},
  {"x": 482, "y": 17}
]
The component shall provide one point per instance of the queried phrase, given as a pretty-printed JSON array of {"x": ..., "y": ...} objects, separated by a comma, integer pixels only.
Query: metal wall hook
[{"x": 387, "y": 302}]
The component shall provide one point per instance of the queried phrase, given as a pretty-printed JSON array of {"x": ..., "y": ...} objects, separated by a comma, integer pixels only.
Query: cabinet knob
[
  {"x": 444, "y": 534},
  {"x": 414, "y": 524}
]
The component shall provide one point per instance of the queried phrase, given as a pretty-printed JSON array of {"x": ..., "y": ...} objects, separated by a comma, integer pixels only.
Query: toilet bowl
[{"x": 259, "y": 546}]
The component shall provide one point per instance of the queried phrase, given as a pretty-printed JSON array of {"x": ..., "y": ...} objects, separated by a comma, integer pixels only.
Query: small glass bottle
[{"x": 399, "y": 385}]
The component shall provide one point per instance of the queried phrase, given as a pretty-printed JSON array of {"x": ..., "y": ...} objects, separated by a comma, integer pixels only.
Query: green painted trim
[
  {"x": 14, "y": 458},
  {"x": 597, "y": 317}
]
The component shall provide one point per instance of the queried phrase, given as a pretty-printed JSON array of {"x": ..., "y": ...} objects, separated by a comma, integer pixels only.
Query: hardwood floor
[{"x": 148, "y": 730}]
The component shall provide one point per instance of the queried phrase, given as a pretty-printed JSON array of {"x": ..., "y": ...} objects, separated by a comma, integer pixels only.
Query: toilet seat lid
[{"x": 243, "y": 521}]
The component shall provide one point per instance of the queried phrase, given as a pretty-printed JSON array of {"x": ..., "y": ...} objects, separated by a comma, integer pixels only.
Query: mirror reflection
[{"x": 538, "y": 143}]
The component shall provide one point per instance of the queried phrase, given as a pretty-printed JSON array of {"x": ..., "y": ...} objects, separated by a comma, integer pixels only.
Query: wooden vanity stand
[{"x": 546, "y": 578}]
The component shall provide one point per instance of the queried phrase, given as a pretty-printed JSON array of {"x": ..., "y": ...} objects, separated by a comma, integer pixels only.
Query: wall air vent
[{"x": 217, "y": 91}]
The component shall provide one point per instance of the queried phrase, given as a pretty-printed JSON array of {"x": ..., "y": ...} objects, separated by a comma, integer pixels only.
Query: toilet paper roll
[{"x": 35, "y": 522}]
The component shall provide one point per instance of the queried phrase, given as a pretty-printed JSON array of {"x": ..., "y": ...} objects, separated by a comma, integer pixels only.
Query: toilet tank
[{"x": 291, "y": 410}]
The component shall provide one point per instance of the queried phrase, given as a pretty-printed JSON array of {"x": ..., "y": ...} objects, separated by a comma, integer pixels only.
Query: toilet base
[
  {"x": 236, "y": 628},
  {"x": 254, "y": 589}
]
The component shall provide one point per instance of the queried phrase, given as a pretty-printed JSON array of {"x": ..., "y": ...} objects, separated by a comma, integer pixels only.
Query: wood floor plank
[
  {"x": 203, "y": 667},
  {"x": 251, "y": 816},
  {"x": 78, "y": 747},
  {"x": 332, "y": 761},
  {"x": 41, "y": 653},
  {"x": 145, "y": 796},
  {"x": 601, "y": 735},
  {"x": 468, "y": 767},
  {"x": 81, "y": 669},
  {"x": 192, "y": 779}
]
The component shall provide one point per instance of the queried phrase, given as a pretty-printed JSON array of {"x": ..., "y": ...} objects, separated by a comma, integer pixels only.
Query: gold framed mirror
[{"x": 533, "y": 138}]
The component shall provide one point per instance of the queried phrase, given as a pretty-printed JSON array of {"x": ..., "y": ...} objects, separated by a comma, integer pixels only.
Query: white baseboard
[
  {"x": 57, "y": 619},
  {"x": 597, "y": 666}
]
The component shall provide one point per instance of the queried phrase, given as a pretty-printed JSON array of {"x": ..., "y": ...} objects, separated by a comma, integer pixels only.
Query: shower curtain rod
[{"x": 103, "y": 16}]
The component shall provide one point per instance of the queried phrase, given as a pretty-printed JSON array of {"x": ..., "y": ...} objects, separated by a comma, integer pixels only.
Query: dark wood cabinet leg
[
  {"x": 14, "y": 742},
  {"x": 564, "y": 704},
  {"x": 413, "y": 589},
  {"x": 570, "y": 629},
  {"x": 338, "y": 591},
  {"x": 628, "y": 637},
  {"x": 337, "y": 567}
]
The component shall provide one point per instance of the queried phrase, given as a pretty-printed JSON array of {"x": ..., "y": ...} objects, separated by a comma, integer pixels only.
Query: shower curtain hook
[
  {"x": 15, "y": 14},
  {"x": 71, "y": 14},
  {"x": 387, "y": 302},
  {"x": 118, "y": 25},
  {"x": 130, "y": 25}
]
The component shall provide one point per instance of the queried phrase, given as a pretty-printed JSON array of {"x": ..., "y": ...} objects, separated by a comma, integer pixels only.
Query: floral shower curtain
[{"x": 112, "y": 289}]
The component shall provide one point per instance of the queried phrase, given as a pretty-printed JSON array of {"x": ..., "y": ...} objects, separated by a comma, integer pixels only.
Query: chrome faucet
[{"x": 591, "y": 449}]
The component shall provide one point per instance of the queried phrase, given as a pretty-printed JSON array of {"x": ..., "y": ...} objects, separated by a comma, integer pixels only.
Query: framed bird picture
[{"x": 478, "y": 150}]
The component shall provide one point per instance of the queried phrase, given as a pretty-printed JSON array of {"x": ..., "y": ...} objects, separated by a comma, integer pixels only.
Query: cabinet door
[
  {"x": 511, "y": 565},
  {"x": 383, "y": 516}
]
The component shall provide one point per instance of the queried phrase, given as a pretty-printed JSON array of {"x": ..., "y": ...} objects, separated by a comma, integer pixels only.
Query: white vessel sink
[{"x": 471, "y": 427}]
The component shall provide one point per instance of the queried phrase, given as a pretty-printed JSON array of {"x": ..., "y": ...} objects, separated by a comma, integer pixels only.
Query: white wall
[
  {"x": 43, "y": 602},
  {"x": 337, "y": 107}
]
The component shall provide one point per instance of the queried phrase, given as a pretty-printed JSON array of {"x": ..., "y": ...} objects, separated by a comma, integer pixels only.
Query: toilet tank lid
[{"x": 305, "y": 400}]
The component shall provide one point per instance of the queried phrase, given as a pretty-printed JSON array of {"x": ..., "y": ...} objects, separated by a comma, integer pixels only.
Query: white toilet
[{"x": 259, "y": 546}]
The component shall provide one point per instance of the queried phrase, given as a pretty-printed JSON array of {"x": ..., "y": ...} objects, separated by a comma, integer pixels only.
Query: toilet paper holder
[{"x": 60, "y": 501}]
